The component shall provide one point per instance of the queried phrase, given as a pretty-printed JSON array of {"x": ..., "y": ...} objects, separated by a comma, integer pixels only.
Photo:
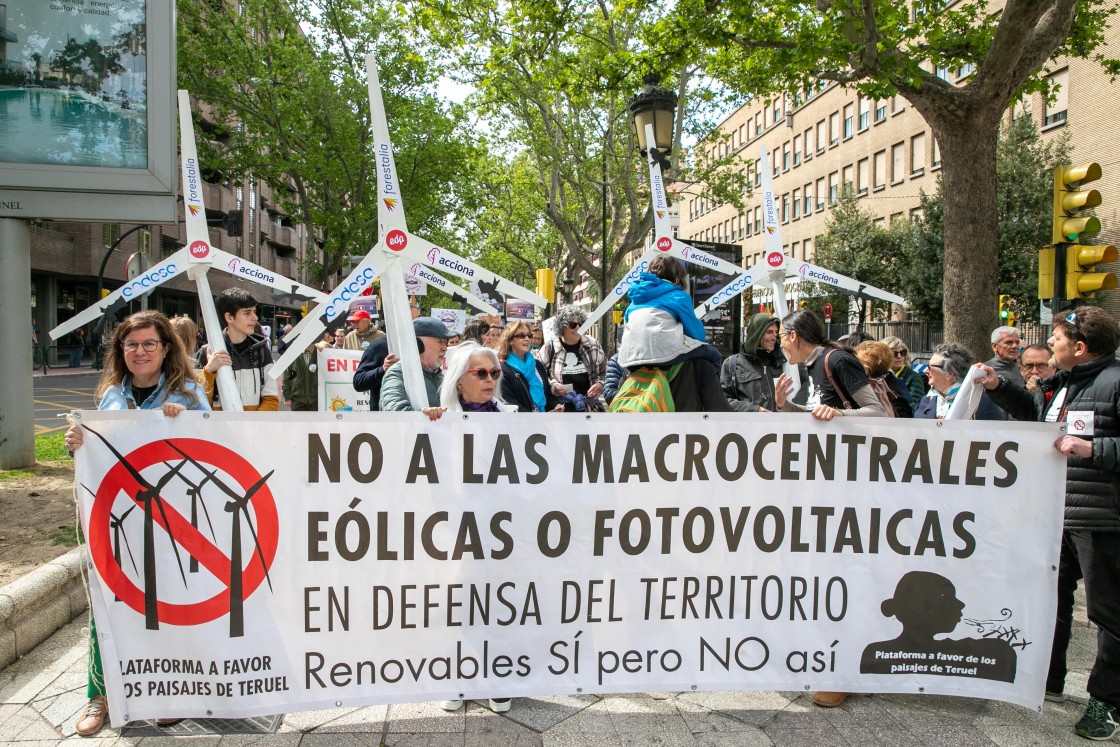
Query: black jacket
[
  {"x": 1092, "y": 483},
  {"x": 515, "y": 389}
]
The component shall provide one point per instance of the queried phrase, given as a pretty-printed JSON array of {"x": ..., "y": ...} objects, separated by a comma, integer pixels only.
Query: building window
[
  {"x": 898, "y": 162},
  {"x": 110, "y": 232},
  {"x": 808, "y": 143},
  {"x": 880, "y": 111},
  {"x": 834, "y": 129},
  {"x": 820, "y": 193},
  {"x": 757, "y": 219},
  {"x": 879, "y": 173},
  {"x": 785, "y": 208},
  {"x": 807, "y": 248},
  {"x": 1055, "y": 111},
  {"x": 793, "y": 249},
  {"x": 777, "y": 164},
  {"x": 822, "y": 136},
  {"x": 758, "y": 177},
  {"x": 918, "y": 153},
  {"x": 742, "y": 135},
  {"x": 942, "y": 72},
  {"x": 936, "y": 154},
  {"x": 785, "y": 156},
  {"x": 796, "y": 204},
  {"x": 833, "y": 188},
  {"x": 796, "y": 150},
  {"x": 777, "y": 109},
  {"x": 849, "y": 120},
  {"x": 896, "y": 104},
  {"x": 758, "y": 124},
  {"x": 807, "y": 208},
  {"x": 862, "y": 168},
  {"x": 864, "y": 113},
  {"x": 915, "y": 214},
  {"x": 966, "y": 70},
  {"x": 847, "y": 183}
]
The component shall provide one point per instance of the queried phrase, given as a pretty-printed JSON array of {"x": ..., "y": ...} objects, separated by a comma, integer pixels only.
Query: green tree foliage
[
  {"x": 856, "y": 246},
  {"x": 555, "y": 81},
  {"x": 286, "y": 83},
  {"x": 1024, "y": 163},
  {"x": 884, "y": 48}
]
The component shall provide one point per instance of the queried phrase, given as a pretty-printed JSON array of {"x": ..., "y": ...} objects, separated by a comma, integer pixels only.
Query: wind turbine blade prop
[
  {"x": 425, "y": 252},
  {"x": 736, "y": 287},
  {"x": 809, "y": 272},
  {"x": 619, "y": 290},
  {"x": 390, "y": 205},
  {"x": 337, "y": 302},
  {"x": 418, "y": 270},
  {"x": 255, "y": 273},
  {"x": 169, "y": 268}
]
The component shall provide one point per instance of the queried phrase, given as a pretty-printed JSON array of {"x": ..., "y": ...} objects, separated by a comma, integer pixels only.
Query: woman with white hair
[{"x": 471, "y": 383}]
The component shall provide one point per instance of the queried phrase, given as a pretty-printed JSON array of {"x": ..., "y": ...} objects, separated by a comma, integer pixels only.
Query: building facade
[{"x": 834, "y": 139}]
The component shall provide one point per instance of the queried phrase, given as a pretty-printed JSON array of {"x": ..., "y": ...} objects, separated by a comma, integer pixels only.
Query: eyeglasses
[
  {"x": 940, "y": 368},
  {"x": 573, "y": 325},
  {"x": 1034, "y": 366},
  {"x": 150, "y": 346},
  {"x": 522, "y": 336},
  {"x": 484, "y": 373},
  {"x": 902, "y": 352}
]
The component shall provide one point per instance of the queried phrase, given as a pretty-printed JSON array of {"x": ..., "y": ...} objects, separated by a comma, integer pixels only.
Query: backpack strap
[{"x": 836, "y": 387}]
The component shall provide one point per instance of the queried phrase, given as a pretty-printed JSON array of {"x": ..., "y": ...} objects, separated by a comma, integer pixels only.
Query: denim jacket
[{"x": 119, "y": 397}]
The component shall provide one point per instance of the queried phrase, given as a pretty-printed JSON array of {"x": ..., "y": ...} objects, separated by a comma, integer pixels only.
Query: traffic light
[
  {"x": 1070, "y": 199},
  {"x": 1070, "y": 224},
  {"x": 232, "y": 223},
  {"x": 1082, "y": 279},
  {"x": 546, "y": 284},
  {"x": 618, "y": 313},
  {"x": 1004, "y": 307},
  {"x": 1011, "y": 319}
]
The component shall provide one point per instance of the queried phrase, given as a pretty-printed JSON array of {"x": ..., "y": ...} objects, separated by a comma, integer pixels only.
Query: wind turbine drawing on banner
[
  {"x": 396, "y": 251},
  {"x": 776, "y": 267},
  {"x": 196, "y": 258},
  {"x": 664, "y": 243}
]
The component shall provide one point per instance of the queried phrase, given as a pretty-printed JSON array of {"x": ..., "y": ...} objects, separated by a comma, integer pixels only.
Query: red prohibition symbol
[{"x": 119, "y": 484}]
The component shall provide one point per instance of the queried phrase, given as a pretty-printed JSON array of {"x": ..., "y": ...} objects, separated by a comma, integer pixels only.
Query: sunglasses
[
  {"x": 937, "y": 367},
  {"x": 522, "y": 336},
  {"x": 150, "y": 346},
  {"x": 485, "y": 373},
  {"x": 573, "y": 325},
  {"x": 902, "y": 352}
]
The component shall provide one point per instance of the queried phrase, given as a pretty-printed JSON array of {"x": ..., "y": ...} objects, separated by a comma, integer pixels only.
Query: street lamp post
[
  {"x": 656, "y": 106},
  {"x": 568, "y": 283}
]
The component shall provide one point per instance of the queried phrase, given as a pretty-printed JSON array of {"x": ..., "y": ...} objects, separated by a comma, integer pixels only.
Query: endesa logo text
[
  {"x": 731, "y": 290},
  {"x": 149, "y": 280},
  {"x": 631, "y": 277},
  {"x": 350, "y": 291}
]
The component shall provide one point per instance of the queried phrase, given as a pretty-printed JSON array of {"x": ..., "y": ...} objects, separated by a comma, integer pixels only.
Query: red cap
[{"x": 358, "y": 314}]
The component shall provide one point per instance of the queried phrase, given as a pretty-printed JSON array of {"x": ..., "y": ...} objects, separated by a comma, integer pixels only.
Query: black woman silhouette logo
[{"x": 926, "y": 604}]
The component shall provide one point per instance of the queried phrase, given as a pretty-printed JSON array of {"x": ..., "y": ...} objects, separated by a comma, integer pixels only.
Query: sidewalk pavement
[{"x": 41, "y": 694}]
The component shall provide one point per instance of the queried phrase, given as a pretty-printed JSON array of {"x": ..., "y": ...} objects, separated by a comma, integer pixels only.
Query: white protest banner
[
  {"x": 380, "y": 557},
  {"x": 336, "y": 381}
]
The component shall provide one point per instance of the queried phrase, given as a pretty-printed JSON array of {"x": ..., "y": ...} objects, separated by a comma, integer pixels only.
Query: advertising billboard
[{"x": 87, "y": 129}]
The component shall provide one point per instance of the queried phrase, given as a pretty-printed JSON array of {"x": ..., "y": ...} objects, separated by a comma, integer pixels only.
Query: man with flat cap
[{"x": 434, "y": 336}]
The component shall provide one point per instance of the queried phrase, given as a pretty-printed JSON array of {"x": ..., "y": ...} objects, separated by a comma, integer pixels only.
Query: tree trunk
[{"x": 968, "y": 150}]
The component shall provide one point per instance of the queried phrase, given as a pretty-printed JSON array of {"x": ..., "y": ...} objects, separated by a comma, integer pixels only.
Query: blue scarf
[
  {"x": 650, "y": 291},
  {"x": 528, "y": 369}
]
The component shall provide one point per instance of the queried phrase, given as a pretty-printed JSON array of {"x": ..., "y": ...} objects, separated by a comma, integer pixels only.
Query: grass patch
[
  {"x": 51, "y": 447},
  {"x": 66, "y": 536},
  {"x": 15, "y": 474}
]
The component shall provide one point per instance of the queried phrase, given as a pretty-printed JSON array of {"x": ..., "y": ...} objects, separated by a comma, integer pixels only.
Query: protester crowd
[{"x": 664, "y": 364}]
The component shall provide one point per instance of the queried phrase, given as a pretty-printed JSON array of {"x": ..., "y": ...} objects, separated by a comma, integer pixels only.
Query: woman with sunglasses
[
  {"x": 948, "y": 367},
  {"x": 910, "y": 379},
  {"x": 524, "y": 378},
  {"x": 573, "y": 361},
  {"x": 471, "y": 385},
  {"x": 146, "y": 368}
]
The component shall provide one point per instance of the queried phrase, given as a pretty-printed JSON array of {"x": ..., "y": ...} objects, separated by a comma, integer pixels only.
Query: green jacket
[
  {"x": 301, "y": 384},
  {"x": 395, "y": 398}
]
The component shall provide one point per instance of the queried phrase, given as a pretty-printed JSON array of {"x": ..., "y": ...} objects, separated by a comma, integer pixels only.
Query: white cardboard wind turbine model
[
  {"x": 776, "y": 267},
  {"x": 196, "y": 258},
  {"x": 664, "y": 243},
  {"x": 397, "y": 250}
]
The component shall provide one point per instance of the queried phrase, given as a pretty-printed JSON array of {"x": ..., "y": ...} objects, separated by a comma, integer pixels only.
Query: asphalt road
[{"x": 60, "y": 392}]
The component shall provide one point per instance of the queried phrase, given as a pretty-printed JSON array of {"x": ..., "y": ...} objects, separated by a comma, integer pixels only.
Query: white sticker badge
[{"x": 1079, "y": 422}]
